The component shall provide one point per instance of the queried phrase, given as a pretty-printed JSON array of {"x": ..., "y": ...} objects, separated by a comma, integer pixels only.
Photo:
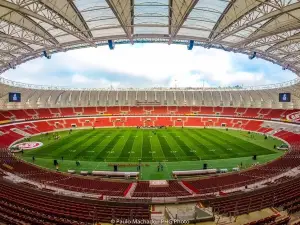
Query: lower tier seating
[
  {"x": 144, "y": 190},
  {"x": 257, "y": 200}
]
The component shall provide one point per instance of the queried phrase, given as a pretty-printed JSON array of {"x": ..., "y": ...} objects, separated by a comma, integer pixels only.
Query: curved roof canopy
[{"x": 271, "y": 28}]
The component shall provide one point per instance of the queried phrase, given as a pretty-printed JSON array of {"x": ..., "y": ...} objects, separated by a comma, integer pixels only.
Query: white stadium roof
[{"x": 271, "y": 28}]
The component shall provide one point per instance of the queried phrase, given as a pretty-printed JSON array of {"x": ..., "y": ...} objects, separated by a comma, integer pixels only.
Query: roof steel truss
[{"x": 269, "y": 27}]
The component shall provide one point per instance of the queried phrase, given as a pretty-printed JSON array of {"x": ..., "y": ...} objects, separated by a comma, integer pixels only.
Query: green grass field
[{"x": 176, "y": 148}]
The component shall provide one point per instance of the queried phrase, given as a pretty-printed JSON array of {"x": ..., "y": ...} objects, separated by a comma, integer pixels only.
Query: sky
[{"x": 148, "y": 65}]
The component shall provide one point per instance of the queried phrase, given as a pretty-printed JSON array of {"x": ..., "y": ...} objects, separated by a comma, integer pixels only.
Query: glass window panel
[
  {"x": 151, "y": 30},
  {"x": 193, "y": 33}
]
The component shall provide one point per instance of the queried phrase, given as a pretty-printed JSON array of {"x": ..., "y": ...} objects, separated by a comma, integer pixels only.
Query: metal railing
[{"x": 234, "y": 88}]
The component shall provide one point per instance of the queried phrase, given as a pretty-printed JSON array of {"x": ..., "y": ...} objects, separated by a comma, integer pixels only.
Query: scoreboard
[
  {"x": 284, "y": 97},
  {"x": 14, "y": 97}
]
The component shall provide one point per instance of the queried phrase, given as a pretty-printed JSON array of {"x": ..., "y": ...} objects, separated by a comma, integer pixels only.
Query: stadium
[{"x": 155, "y": 155}]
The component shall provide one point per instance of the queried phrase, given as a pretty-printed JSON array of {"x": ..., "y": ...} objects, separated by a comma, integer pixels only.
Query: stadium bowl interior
[{"x": 38, "y": 187}]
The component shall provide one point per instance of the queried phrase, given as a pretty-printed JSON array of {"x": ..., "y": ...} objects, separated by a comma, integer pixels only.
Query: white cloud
[
  {"x": 148, "y": 65},
  {"x": 86, "y": 81},
  {"x": 77, "y": 78}
]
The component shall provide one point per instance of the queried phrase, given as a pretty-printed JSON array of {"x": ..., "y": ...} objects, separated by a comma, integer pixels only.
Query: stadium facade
[{"x": 35, "y": 96}]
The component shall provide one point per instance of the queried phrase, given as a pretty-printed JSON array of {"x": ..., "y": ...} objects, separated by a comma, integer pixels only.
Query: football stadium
[{"x": 149, "y": 154}]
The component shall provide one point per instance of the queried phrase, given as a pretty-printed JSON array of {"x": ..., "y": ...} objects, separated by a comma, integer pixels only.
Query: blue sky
[{"x": 148, "y": 65}]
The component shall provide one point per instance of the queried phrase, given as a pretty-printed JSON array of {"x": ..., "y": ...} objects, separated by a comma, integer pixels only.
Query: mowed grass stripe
[
  {"x": 158, "y": 154},
  {"x": 67, "y": 139},
  {"x": 125, "y": 153},
  {"x": 101, "y": 156},
  {"x": 202, "y": 146},
  {"x": 147, "y": 155},
  {"x": 74, "y": 146},
  {"x": 186, "y": 149},
  {"x": 51, "y": 147},
  {"x": 219, "y": 146},
  {"x": 85, "y": 153},
  {"x": 228, "y": 144},
  {"x": 245, "y": 145},
  {"x": 210, "y": 149},
  {"x": 169, "y": 155},
  {"x": 202, "y": 149},
  {"x": 175, "y": 148},
  {"x": 114, "y": 153},
  {"x": 239, "y": 150},
  {"x": 137, "y": 147}
]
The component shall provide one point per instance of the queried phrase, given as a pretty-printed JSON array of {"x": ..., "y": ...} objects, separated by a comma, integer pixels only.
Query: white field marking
[
  {"x": 192, "y": 150},
  {"x": 212, "y": 150},
  {"x": 90, "y": 151},
  {"x": 229, "y": 149},
  {"x": 98, "y": 165},
  {"x": 72, "y": 150}
]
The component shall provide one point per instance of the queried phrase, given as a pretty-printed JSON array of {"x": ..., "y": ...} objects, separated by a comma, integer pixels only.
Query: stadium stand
[
  {"x": 35, "y": 207},
  {"x": 220, "y": 192},
  {"x": 268, "y": 30}
]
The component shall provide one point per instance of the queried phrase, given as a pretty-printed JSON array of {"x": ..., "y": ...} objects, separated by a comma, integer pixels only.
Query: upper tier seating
[
  {"x": 113, "y": 110},
  {"x": 44, "y": 113},
  {"x": 90, "y": 111},
  {"x": 55, "y": 111},
  {"x": 6, "y": 115},
  {"x": 228, "y": 111},
  {"x": 251, "y": 112},
  {"x": 147, "y": 110},
  {"x": 207, "y": 110},
  {"x": 67, "y": 112}
]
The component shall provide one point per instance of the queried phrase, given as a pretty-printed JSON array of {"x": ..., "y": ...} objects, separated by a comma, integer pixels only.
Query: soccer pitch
[{"x": 176, "y": 148}]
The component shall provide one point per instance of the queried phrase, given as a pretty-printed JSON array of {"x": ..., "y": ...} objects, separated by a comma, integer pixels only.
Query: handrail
[{"x": 235, "y": 88}]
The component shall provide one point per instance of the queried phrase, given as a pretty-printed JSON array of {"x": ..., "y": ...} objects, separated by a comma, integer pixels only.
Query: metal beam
[
  {"x": 236, "y": 9},
  {"x": 53, "y": 6},
  {"x": 22, "y": 40},
  {"x": 132, "y": 16},
  {"x": 290, "y": 55},
  {"x": 123, "y": 24},
  {"x": 16, "y": 41},
  {"x": 42, "y": 18},
  {"x": 170, "y": 17},
  {"x": 183, "y": 18},
  {"x": 3, "y": 52},
  {"x": 51, "y": 39},
  {"x": 14, "y": 18},
  {"x": 220, "y": 19},
  {"x": 71, "y": 2},
  {"x": 262, "y": 18},
  {"x": 273, "y": 32},
  {"x": 290, "y": 40}
]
